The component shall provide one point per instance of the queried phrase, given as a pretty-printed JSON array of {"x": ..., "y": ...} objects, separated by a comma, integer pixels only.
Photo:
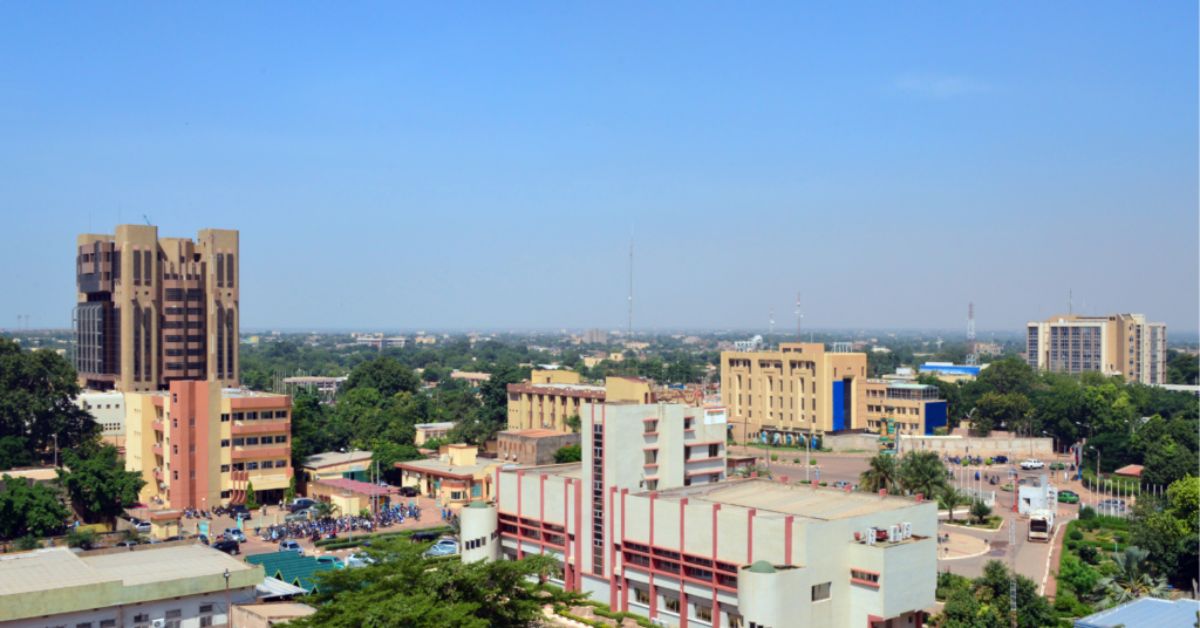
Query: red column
[
  {"x": 716, "y": 607},
  {"x": 624, "y": 582},
  {"x": 578, "y": 535},
  {"x": 520, "y": 544},
  {"x": 787, "y": 539},
  {"x": 750, "y": 535},
  {"x": 567, "y": 575},
  {"x": 653, "y": 591},
  {"x": 612, "y": 550}
]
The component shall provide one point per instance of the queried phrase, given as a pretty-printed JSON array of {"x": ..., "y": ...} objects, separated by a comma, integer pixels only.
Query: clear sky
[{"x": 486, "y": 165}]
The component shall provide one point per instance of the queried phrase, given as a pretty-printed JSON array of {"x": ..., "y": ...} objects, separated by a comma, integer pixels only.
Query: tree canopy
[
  {"x": 97, "y": 482},
  {"x": 402, "y": 588},
  {"x": 29, "y": 509},
  {"x": 37, "y": 389}
]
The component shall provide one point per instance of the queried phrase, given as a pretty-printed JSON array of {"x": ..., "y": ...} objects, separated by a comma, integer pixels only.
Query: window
[
  {"x": 251, "y": 440},
  {"x": 714, "y": 450},
  {"x": 224, "y": 442},
  {"x": 225, "y": 494},
  {"x": 704, "y": 612},
  {"x": 642, "y": 596},
  {"x": 238, "y": 442},
  {"x": 84, "y": 624},
  {"x": 224, "y": 468},
  {"x": 281, "y": 464},
  {"x": 671, "y": 604},
  {"x": 861, "y": 576},
  {"x": 282, "y": 438},
  {"x": 174, "y": 618},
  {"x": 251, "y": 416},
  {"x": 820, "y": 591},
  {"x": 267, "y": 464},
  {"x": 251, "y": 466},
  {"x": 224, "y": 417},
  {"x": 141, "y": 619},
  {"x": 108, "y": 623},
  {"x": 239, "y": 466}
]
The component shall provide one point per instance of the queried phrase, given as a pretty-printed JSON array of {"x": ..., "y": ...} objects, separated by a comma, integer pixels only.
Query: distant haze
[{"x": 486, "y": 167}]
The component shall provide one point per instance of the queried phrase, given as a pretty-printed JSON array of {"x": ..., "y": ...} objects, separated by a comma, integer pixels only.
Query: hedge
[{"x": 346, "y": 542}]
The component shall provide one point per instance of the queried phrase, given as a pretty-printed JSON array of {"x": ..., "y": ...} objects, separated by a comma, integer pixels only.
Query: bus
[{"x": 1041, "y": 525}]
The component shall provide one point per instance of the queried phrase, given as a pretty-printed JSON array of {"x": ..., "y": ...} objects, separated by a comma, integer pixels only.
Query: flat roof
[
  {"x": 1146, "y": 611},
  {"x": 444, "y": 425},
  {"x": 41, "y": 474},
  {"x": 332, "y": 458},
  {"x": 278, "y": 610},
  {"x": 445, "y": 468},
  {"x": 364, "y": 488},
  {"x": 534, "y": 433},
  {"x": 585, "y": 388},
  {"x": 314, "y": 379},
  {"x": 799, "y": 500},
  {"x": 239, "y": 393},
  {"x": 167, "y": 563},
  {"x": 57, "y": 580},
  {"x": 572, "y": 470}
]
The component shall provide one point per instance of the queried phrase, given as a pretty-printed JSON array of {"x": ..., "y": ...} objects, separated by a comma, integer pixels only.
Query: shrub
[
  {"x": 1087, "y": 513},
  {"x": 1072, "y": 545},
  {"x": 824, "y": 483},
  {"x": 1076, "y": 535},
  {"x": 26, "y": 543},
  {"x": 774, "y": 457},
  {"x": 83, "y": 539},
  {"x": 796, "y": 460},
  {"x": 1089, "y": 555}
]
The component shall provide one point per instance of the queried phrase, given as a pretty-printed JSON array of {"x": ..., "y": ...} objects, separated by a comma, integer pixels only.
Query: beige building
[
  {"x": 155, "y": 310},
  {"x": 551, "y": 396},
  {"x": 910, "y": 408},
  {"x": 691, "y": 549},
  {"x": 797, "y": 389},
  {"x": 426, "y": 432},
  {"x": 453, "y": 478},
  {"x": 532, "y": 446},
  {"x": 198, "y": 445},
  {"x": 1117, "y": 344},
  {"x": 337, "y": 464},
  {"x": 187, "y": 585}
]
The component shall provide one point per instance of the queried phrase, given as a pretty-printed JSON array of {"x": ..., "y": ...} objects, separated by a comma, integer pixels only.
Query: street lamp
[
  {"x": 228, "y": 607},
  {"x": 1097, "y": 482}
]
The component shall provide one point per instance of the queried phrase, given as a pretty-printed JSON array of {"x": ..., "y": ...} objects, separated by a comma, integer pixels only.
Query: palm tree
[
  {"x": 325, "y": 510},
  {"x": 981, "y": 511},
  {"x": 922, "y": 472},
  {"x": 882, "y": 473},
  {"x": 1132, "y": 578},
  {"x": 950, "y": 498}
]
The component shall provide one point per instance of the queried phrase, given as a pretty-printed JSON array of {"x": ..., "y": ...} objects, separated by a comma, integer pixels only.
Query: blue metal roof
[
  {"x": 1147, "y": 611},
  {"x": 959, "y": 369}
]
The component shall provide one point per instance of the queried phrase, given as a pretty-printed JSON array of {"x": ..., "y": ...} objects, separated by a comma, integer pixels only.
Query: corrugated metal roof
[{"x": 1147, "y": 611}]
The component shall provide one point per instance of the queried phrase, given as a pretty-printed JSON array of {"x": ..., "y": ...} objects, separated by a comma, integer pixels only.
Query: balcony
[
  {"x": 281, "y": 452},
  {"x": 158, "y": 449},
  {"x": 158, "y": 474},
  {"x": 158, "y": 425},
  {"x": 269, "y": 426}
]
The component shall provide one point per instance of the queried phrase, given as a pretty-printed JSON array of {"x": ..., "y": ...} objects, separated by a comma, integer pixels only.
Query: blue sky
[{"x": 485, "y": 166}]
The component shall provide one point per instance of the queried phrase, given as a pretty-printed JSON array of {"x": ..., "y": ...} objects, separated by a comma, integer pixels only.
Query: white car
[{"x": 1032, "y": 464}]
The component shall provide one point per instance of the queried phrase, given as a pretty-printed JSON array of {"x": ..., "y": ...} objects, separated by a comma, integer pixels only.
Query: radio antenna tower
[
  {"x": 771, "y": 321},
  {"x": 972, "y": 350},
  {"x": 629, "y": 323},
  {"x": 799, "y": 318}
]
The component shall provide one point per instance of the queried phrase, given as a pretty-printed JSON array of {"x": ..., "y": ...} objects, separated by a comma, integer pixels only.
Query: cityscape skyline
[{"x": 471, "y": 176}]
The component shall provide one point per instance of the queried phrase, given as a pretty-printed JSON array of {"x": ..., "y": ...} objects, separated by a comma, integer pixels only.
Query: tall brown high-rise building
[{"x": 152, "y": 311}]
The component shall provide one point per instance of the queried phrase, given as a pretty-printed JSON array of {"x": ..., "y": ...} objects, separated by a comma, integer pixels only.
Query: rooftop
[
  {"x": 820, "y": 504},
  {"x": 444, "y": 425},
  {"x": 314, "y": 379},
  {"x": 443, "y": 467},
  {"x": 533, "y": 433},
  {"x": 572, "y": 470},
  {"x": 57, "y": 580},
  {"x": 38, "y": 474},
  {"x": 1146, "y": 611},
  {"x": 364, "y": 488},
  {"x": 332, "y": 458},
  {"x": 580, "y": 388},
  {"x": 243, "y": 393},
  {"x": 277, "y": 611}
]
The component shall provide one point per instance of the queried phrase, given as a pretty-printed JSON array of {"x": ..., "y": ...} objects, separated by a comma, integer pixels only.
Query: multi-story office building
[
  {"x": 198, "y": 445},
  {"x": 552, "y": 396},
  {"x": 911, "y": 408},
  {"x": 670, "y": 539},
  {"x": 797, "y": 389},
  {"x": 151, "y": 311},
  {"x": 1117, "y": 344}
]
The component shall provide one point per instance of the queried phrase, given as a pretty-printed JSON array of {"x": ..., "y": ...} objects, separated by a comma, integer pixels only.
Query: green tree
[
  {"x": 1168, "y": 462},
  {"x": 29, "y": 509},
  {"x": 455, "y": 594},
  {"x": 1004, "y": 410},
  {"x": 922, "y": 472},
  {"x": 950, "y": 498},
  {"x": 1182, "y": 368},
  {"x": 83, "y": 538},
  {"x": 251, "y": 496},
  {"x": 385, "y": 454},
  {"x": 1169, "y": 531},
  {"x": 984, "y": 602},
  {"x": 572, "y": 422},
  {"x": 882, "y": 472},
  {"x": 36, "y": 393},
  {"x": 570, "y": 453},
  {"x": 325, "y": 510},
  {"x": 385, "y": 375},
  {"x": 14, "y": 452},
  {"x": 981, "y": 511},
  {"x": 1132, "y": 578},
  {"x": 289, "y": 493},
  {"x": 97, "y": 482},
  {"x": 1079, "y": 576}
]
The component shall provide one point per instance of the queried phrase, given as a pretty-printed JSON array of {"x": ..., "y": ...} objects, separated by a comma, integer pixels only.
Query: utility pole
[
  {"x": 629, "y": 323},
  {"x": 799, "y": 319}
]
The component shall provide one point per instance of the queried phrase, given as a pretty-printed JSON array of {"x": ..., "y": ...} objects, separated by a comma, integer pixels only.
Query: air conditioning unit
[
  {"x": 158, "y": 623},
  {"x": 907, "y": 526},
  {"x": 893, "y": 534}
]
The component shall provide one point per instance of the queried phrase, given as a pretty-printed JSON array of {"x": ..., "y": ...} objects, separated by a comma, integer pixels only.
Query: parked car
[
  {"x": 239, "y": 511},
  {"x": 1031, "y": 464},
  {"x": 128, "y": 543},
  {"x": 235, "y": 534},
  {"x": 301, "y": 503},
  {"x": 444, "y": 547},
  {"x": 1068, "y": 497},
  {"x": 409, "y": 491},
  {"x": 840, "y": 484},
  {"x": 423, "y": 537},
  {"x": 228, "y": 546},
  {"x": 329, "y": 559},
  {"x": 140, "y": 525},
  {"x": 1000, "y": 459},
  {"x": 291, "y": 546},
  {"x": 359, "y": 559}
]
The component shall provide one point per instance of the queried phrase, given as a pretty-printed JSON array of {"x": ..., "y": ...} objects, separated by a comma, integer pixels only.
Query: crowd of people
[{"x": 331, "y": 527}]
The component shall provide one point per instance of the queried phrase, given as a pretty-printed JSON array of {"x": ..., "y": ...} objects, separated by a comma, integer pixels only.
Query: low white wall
[{"x": 980, "y": 446}]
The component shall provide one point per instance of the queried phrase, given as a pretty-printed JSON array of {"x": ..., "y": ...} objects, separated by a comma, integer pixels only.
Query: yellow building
[
  {"x": 912, "y": 408},
  {"x": 199, "y": 446},
  {"x": 797, "y": 389},
  {"x": 454, "y": 478},
  {"x": 1118, "y": 344},
  {"x": 551, "y": 396}
]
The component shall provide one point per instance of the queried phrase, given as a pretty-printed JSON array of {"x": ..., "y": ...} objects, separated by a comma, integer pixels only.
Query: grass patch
[
  {"x": 347, "y": 542},
  {"x": 992, "y": 523}
]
